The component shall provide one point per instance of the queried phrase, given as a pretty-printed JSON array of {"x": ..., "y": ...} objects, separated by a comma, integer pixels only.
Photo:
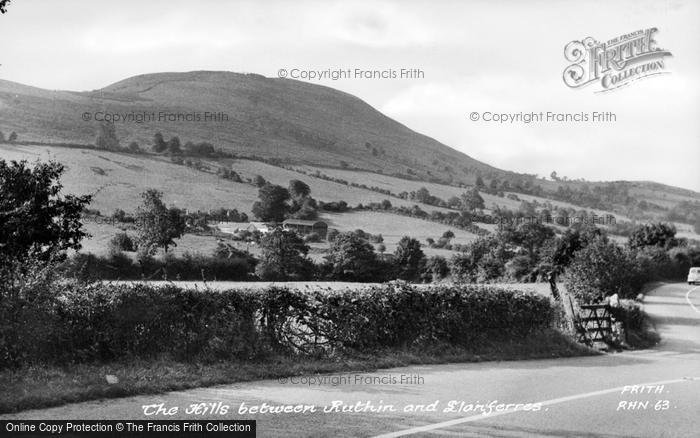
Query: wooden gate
[{"x": 593, "y": 324}]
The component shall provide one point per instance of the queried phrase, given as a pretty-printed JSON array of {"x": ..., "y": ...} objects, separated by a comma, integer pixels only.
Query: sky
[{"x": 475, "y": 56}]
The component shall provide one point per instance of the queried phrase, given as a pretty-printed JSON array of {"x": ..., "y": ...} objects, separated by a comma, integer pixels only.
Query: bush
[
  {"x": 134, "y": 148},
  {"x": 27, "y": 293},
  {"x": 108, "y": 322},
  {"x": 120, "y": 215},
  {"x": 99, "y": 322},
  {"x": 121, "y": 242},
  {"x": 409, "y": 259},
  {"x": 283, "y": 257},
  {"x": 118, "y": 266},
  {"x": 602, "y": 268},
  {"x": 436, "y": 268},
  {"x": 332, "y": 234},
  {"x": 351, "y": 258},
  {"x": 640, "y": 331},
  {"x": 398, "y": 315}
]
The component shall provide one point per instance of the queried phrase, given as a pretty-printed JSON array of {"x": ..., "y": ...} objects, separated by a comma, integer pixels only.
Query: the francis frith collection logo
[{"x": 615, "y": 63}]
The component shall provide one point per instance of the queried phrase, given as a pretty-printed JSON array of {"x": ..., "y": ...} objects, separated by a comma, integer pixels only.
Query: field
[
  {"x": 101, "y": 233},
  {"x": 321, "y": 189},
  {"x": 397, "y": 185},
  {"x": 117, "y": 179},
  {"x": 393, "y": 228}
]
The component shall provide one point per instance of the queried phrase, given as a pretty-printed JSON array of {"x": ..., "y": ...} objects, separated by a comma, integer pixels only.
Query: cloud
[{"x": 375, "y": 25}]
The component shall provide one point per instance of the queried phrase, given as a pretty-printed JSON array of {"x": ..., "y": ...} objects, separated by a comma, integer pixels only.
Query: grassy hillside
[
  {"x": 289, "y": 123},
  {"x": 393, "y": 228},
  {"x": 398, "y": 185},
  {"x": 117, "y": 179},
  {"x": 267, "y": 117}
]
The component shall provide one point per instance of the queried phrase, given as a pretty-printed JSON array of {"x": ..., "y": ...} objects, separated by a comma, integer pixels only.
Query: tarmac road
[{"x": 573, "y": 397}]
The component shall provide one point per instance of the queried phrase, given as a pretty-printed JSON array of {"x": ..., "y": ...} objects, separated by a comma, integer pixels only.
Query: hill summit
[{"x": 285, "y": 119}]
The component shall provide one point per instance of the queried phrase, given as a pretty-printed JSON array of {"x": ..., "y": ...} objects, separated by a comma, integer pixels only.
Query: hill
[
  {"x": 272, "y": 118},
  {"x": 303, "y": 126}
]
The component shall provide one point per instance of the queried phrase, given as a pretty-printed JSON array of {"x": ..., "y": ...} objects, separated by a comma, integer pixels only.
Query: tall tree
[
  {"x": 351, "y": 258},
  {"x": 272, "y": 205},
  {"x": 532, "y": 236},
  {"x": 159, "y": 144},
  {"x": 409, "y": 258},
  {"x": 158, "y": 226},
  {"x": 298, "y": 189},
  {"x": 303, "y": 205},
  {"x": 174, "y": 146},
  {"x": 436, "y": 268},
  {"x": 36, "y": 220},
  {"x": 283, "y": 257},
  {"x": 472, "y": 200},
  {"x": 654, "y": 234}
]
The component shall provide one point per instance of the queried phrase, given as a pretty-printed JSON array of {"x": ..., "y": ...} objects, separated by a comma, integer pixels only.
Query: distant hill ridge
[{"x": 292, "y": 121}]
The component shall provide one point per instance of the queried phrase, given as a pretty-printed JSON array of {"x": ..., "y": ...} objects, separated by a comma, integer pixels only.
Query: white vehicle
[{"x": 694, "y": 276}]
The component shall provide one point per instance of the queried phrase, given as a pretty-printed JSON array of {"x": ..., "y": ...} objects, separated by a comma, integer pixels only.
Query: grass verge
[{"x": 45, "y": 386}]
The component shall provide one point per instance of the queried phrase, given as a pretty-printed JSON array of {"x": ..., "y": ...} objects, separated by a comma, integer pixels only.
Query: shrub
[
  {"x": 409, "y": 258},
  {"x": 118, "y": 266},
  {"x": 284, "y": 257},
  {"x": 602, "y": 268},
  {"x": 518, "y": 267},
  {"x": 122, "y": 242},
  {"x": 259, "y": 181},
  {"x": 653, "y": 234},
  {"x": 332, "y": 234},
  {"x": 351, "y": 258},
  {"x": 640, "y": 332},
  {"x": 134, "y": 148},
  {"x": 104, "y": 322},
  {"x": 682, "y": 259},
  {"x": 27, "y": 293},
  {"x": 436, "y": 268},
  {"x": 398, "y": 315},
  {"x": 120, "y": 215}
]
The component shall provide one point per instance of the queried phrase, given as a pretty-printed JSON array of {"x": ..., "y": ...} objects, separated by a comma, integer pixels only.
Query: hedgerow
[
  {"x": 104, "y": 322},
  {"x": 117, "y": 265}
]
